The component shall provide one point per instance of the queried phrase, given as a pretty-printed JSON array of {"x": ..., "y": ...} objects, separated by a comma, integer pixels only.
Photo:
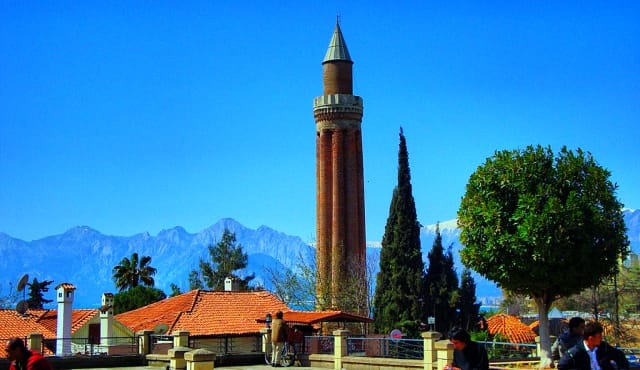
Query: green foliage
[
  {"x": 527, "y": 215},
  {"x": 136, "y": 297},
  {"x": 469, "y": 309},
  {"x": 175, "y": 290},
  {"x": 195, "y": 281},
  {"x": 226, "y": 257},
  {"x": 542, "y": 225},
  {"x": 130, "y": 273},
  {"x": 36, "y": 298},
  {"x": 440, "y": 286},
  {"x": 399, "y": 282}
]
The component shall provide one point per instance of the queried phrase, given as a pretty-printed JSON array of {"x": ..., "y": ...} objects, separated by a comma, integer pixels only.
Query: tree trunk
[{"x": 543, "y": 332}]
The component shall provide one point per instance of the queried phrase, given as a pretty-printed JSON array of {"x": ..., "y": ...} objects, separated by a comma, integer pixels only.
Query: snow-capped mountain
[{"x": 85, "y": 257}]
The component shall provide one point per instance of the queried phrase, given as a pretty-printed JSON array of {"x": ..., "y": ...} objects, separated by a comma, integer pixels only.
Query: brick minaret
[{"x": 340, "y": 230}]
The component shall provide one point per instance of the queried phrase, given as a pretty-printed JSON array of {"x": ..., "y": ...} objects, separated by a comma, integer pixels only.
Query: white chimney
[
  {"x": 106, "y": 319},
  {"x": 65, "y": 300},
  {"x": 231, "y": 284}
]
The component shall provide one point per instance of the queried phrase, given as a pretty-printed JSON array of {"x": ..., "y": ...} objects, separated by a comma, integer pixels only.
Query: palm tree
[{"x": 132, "y": 272}]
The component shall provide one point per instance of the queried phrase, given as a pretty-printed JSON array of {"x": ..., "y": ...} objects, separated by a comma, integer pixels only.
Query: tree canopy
[
  {"x": 542, "y": 225},
  {"x": 130, "y": 273},
  {"x": 440, "y": 286},
  {"x": 136, "y": 297},
  {"x": 227, "y": 257},
  {"x": 399, "y": 281},
  {"x": 36, "y": 298}
]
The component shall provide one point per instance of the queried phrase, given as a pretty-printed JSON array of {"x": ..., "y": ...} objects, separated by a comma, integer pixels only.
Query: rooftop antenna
[
  {"x": 22, "y": 306},
  {"x": 160, "y": 328}
]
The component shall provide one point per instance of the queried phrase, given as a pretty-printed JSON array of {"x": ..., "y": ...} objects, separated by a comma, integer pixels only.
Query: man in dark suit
[{"x": 592, "y": 353}]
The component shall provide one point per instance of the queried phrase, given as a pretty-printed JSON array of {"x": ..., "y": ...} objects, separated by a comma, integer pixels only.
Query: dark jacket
[
  {"x": 472, "y": 357},
  {"x": 609, "y": 358},
  {"x": 33, "y": 361},
  {"x": 564, "y": 342}
]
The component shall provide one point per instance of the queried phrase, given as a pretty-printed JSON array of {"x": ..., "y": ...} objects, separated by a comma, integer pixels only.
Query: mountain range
[{"x": 85, "y": 258}]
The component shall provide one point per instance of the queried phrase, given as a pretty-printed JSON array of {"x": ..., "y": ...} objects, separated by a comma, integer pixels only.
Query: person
[
  {"x": 278, "y": 337},
  {"x": 23, "y": 358},
  {"x": 592, "y": 353},
  {"x": 568, "y": 339},
  {"x": 611, "y": 358},
  {"x": 467, "y": 354}
]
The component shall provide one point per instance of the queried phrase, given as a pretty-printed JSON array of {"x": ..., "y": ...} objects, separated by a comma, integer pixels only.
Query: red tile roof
[
  {"x": 16, "y": 325},
  {"x": 79, "y": 318},
  {"x": 207, "y": 313},
  {"x": 39, "y": 321},
  {"x": 310, "y": 318},
  {"x": 67, "y": 286}
]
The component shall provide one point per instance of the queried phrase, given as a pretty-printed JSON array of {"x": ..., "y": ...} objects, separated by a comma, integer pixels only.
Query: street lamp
[{"x": 268, "y": 320}]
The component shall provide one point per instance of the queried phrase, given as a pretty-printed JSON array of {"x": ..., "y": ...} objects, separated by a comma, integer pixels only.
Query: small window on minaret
[
  {"x": 59, "y": 295},
  {"x": 68, "y": 294}
]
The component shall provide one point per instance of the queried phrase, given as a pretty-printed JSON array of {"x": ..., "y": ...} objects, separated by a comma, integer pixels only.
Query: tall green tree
[
  {"x": 467, "y": 303},
  {"x": 130, "y": 273},
  {"x": 195, "y": 281},
  {"x": 440, "y": 286},
  {"x": 227, "y": 257},
  {"x": 542, "y": 225},
  {"x": 136, "y": 297},
  {"x": 37, "y": 289},
  {"x": 399, "y": 281}
]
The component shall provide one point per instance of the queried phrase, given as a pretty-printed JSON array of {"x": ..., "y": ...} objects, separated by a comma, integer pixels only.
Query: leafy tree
[
  {"x": 36, "y": 298},
  {"x": 195, "y": 282},
  {"x": 226, "y": 257},
  {"x": 399, "y": 281},
  {"x": 129, "y": 273},
  {"x": 469, "y": 309},
  {"x": 440, "y": 286},
  {"x": 542, "y": 225},
  {"x": 136, "y": 297}
]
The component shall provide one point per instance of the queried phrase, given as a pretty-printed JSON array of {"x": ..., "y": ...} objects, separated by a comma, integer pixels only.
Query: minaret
[{"x": 340, "y": 230}]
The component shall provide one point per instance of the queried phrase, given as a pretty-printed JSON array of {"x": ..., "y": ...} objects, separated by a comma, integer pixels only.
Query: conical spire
[{"x": 337, "y": 47}]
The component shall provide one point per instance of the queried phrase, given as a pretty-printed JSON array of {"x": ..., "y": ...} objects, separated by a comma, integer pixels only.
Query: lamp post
[{"x": 268, "y": 320}]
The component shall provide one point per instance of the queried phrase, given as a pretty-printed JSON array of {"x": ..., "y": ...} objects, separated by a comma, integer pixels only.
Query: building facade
[{"x": 340, "y": 223}]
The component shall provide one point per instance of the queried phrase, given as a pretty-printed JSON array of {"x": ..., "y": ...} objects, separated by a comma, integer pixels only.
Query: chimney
[
  {"x": 106, "y": 319},
  {"x": 65, "y": 300},
  {"x": 231, "y": 284}
]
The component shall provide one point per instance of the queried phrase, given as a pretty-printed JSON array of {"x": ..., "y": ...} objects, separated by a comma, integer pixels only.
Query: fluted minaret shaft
[{"x": 340, "y": 244}]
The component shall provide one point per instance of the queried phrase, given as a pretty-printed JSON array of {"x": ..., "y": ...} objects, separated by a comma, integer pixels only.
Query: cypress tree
[
  {"x": 469, "y": 309},
  {"x": 441, "y": 286},
  {"x": 398, "y": 284}
]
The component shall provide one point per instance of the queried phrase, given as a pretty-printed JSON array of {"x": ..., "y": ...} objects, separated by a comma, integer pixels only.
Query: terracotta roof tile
[
  {"x": 203, "y": 312},
  {"x": 16, "y": 325},
  {"x": 39, "y": 321},
  {"x": 79, "y": 317},
  {"x": 162, "y": 312},
  {"x": 512, "y": 328},
  {"x": 217, "y": 313},
  {"x": 66, "y": 286}
]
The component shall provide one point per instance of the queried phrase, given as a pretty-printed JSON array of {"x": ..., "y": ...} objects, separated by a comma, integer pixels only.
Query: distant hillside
[{"x": 85, "y": 257}]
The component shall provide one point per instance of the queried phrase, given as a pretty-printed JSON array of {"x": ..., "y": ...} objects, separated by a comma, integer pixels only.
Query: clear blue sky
[{"x": 142, "y": 115}]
